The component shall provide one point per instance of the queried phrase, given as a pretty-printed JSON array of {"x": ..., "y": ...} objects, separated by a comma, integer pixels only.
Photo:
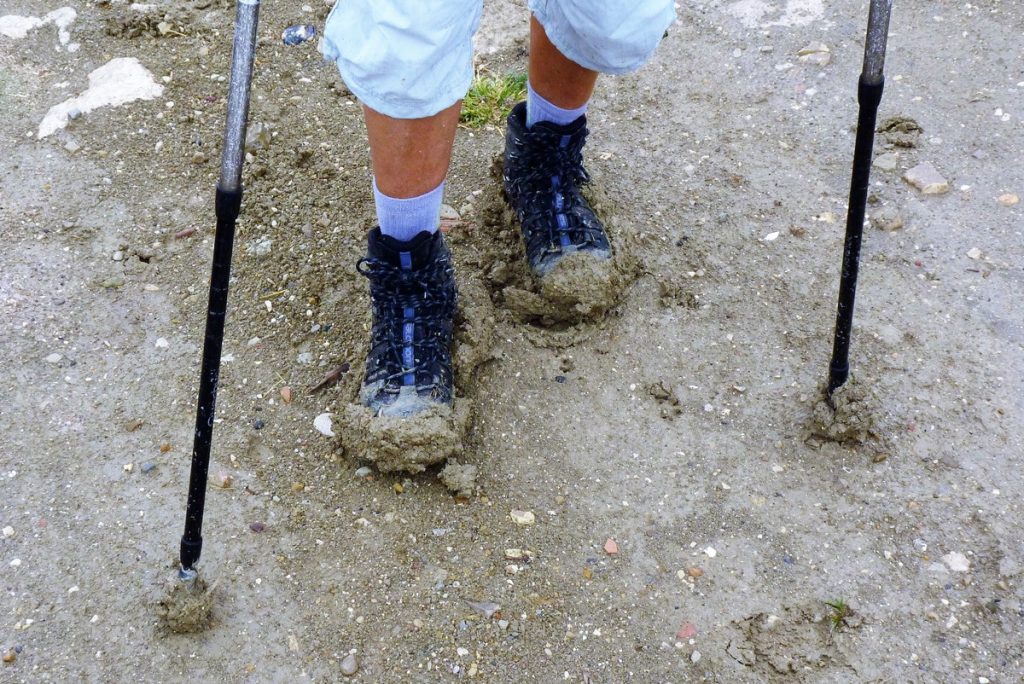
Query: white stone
[
  {"x": 926, "y": 178},
  {"x": 956, "y": 561},
  {"x": 117, "y": 82},
  {"x": 323, "y": 424}
]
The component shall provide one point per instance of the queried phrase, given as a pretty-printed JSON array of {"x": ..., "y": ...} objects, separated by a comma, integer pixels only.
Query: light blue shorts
[{"x": 412, "y": 58}]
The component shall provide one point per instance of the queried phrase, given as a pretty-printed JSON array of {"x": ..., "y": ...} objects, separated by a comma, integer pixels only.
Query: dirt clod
[{"x": 186, "y": 607}]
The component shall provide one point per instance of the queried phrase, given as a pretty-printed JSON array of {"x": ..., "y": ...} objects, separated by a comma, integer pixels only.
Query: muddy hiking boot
[
  {"x": 542, "y": 177},
  {"x": 412, "y": 288}
]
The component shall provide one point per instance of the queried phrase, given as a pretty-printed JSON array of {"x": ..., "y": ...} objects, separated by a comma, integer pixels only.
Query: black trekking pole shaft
[
  {"x": 869, "y": 95},
  {"x": 228, "y": 203}
]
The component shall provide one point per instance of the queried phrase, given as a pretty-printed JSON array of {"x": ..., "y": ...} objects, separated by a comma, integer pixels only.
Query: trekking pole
[
  {"x": 228, "y": 203},
  {"x": 869, "y": 95}
]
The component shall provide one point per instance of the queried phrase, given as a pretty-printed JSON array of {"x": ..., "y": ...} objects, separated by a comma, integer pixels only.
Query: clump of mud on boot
[
  {"x": 186, "y": 606},
  {"x": 579, "y": 288},
  {"x": 410, "y": 444},
  {"x": 413, "y": 444},
  {"x": 853, "y": 416}
]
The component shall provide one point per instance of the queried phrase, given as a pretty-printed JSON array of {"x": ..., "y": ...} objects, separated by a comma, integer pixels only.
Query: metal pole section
[
  {"x": 869, "y": 95},
  {"x": 228, "y": 204},
  {"x": 244, "y": 51}
]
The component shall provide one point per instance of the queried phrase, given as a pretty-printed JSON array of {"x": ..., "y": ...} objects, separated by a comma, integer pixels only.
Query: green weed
[
  {"x": 490, "y": 97},
  {"x": 840, "y": 611}
]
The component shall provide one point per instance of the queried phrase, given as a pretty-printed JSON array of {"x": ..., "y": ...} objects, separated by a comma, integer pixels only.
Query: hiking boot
[
  {"x": 543, "y": 174},
  {"x": 412, "y": 288}
]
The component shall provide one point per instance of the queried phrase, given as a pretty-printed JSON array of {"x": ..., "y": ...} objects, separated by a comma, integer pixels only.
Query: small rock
[
  {"x": 349, "y": 665},
  {"x": 710, "y": 551},
  {"x": 518, "y": 554},
  {"x": 294, "y": 35},
  {"x": 956, "y": 561},
  {"x": 686, "y": 631},
  {"x": 117, "y": 255},
  {"x": 926, "y": 178},
  {"x": 485, "y": 608},
  {"x": 199, "y": 158},
  {"x": 511, "y": 569},
  {"x": 771, "y": 237},
  {"x": 221, "y": 481},
  {"x": 162, "y": 343},
  {"x": 9, "y": 657},
  {"x": 54, "y": 358},
  {"x": 1008, "y": 200},
  {"x": 259, "y": 424},
  {"x": 363, "y": 471},
  {"x": 147, "y": 467},
  {"x": 462, "y": 652},
  {"x": 887, "y": 219},
  {"x": 695, "y": 572},
  {"x": 257, "y": 526},
  {"x": 522, "y": 517},
  {"x": 974, "y": 253},
  {"x": 610, "y": 547},
  {"x": 128, "y": 467},
  {"x": 112, "y": 283},
  {"x": 286, "y": 395},
  {"x": 323, "y": 424},
  {"x": 695, "y": 657},
  {"x": 815, "y": 53},
  {"x": 886, "y": 162},
  {"x": 8, "y": 532},
  {"x": 503, "y": 624}
]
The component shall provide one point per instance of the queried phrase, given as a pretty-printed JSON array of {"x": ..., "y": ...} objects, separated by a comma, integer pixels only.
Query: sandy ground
[{"x": 679, "y": 424}]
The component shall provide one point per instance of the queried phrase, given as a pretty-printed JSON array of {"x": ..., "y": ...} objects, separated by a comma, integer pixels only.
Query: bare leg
[
  {"x": 411, "y": 156},
  {"x": 554, "y": 77}
]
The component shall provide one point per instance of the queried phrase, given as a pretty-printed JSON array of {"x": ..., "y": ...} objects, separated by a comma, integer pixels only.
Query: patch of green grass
[
  {"x": 490, "y": 97},
  {"x": 840, "y": 611}
]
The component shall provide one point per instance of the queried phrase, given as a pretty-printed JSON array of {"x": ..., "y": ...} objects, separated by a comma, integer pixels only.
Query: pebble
[
  {"x": 610, "y": 547},
  {"x": 710, "y": 551},
  {"x": 221, "y": 481},
  {"x": 463, "y": 652},
  {"x": 259, "y": 424},
  {"x": 956, "y": 561},
  {"x": 323, "y": 424},
  {"x": 926, "y": 178},
  {"x": 974, "y": 253},
  {"x": 695, "y": 657},
  {"x": 286, "y": 395},
  {"x": 888, "y": 219},
  {"x": 686, "y": 631},
  {"x": 363, "y": 472},
  {"x": 485, "y": 608},
  {"x": 257, "y": 526},
  {"x": 9, "y": 657},
  {"x": 695, "y": 572},
  {"x": 199, "y": 158},
  {"x": 522, "y": 517},
  {"x": 162, "y": 343},
  {"x": 147, "y": 467},
  {"x": 815, "y": 53},
  {"x": 503, "y": 624},
  {"x": 295, "y": 35},
  {"x": 886, "y": 162},
  {"x": 54, "y": 358},
  {"x": 920, "y": 545},
  {"x": 1008, "y": 200},
  {"x": 349, "y": 665},
  {"x": 8, "y": 532}
]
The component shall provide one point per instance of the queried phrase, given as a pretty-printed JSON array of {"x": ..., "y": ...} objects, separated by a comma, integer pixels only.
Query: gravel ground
[{"x": 659, "y": 495}]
